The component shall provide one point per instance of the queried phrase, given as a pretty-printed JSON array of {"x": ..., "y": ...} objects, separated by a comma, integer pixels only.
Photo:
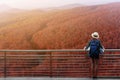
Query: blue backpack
[{"x": 94, "y": 47}]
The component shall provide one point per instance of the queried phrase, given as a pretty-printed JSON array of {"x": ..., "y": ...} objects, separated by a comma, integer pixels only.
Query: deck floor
[{"x": 29, "y": 78}]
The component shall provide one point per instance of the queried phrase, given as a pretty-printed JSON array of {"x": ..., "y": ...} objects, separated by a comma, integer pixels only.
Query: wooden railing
[{"x": 57, "y": 63}]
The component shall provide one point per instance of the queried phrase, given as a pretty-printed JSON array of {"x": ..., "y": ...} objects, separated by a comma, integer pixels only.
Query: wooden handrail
[{"x": 58, "y": 50}]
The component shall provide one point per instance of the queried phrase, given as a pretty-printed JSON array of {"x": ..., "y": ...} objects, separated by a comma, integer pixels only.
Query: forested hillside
[{"x": 60, "y": 29}]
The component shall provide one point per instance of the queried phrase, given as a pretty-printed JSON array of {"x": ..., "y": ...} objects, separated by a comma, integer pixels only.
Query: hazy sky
[{"x": 32, "y": 4}]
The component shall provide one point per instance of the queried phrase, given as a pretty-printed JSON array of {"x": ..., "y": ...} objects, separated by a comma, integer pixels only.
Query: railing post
[
  {"x": 51, "y": 65},
  {"x": 5, "y": 71}
]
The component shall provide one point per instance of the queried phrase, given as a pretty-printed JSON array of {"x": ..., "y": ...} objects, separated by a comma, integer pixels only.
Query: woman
[{"x": 95, "y": 47}]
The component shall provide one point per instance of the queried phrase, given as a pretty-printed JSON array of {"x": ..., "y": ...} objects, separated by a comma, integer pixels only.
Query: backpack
[{"x": 94, "y": 47}]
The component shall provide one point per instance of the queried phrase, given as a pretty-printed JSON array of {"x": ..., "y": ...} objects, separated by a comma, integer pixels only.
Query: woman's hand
[{"x": 84, "y": 48}]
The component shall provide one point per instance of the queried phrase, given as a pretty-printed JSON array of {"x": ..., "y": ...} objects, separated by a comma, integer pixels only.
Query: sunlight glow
[{"x": 33, "y": 4}]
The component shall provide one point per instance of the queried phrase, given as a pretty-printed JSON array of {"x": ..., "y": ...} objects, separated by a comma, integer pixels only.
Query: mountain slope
[
  {"x": 72, "y": 28},
  {"x": 61, "y": 29},
  {"x": 69, "y": 28}
]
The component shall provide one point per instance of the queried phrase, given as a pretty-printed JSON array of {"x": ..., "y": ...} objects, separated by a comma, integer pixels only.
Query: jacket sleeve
[
  {"x": 88, "y": 45},
  {"x": 101, "y": 45}
]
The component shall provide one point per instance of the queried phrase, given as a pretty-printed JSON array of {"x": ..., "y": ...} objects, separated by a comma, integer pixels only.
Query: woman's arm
[
  {"x": 88, "y": 45},
  {"x": 101, "y": 46}
]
